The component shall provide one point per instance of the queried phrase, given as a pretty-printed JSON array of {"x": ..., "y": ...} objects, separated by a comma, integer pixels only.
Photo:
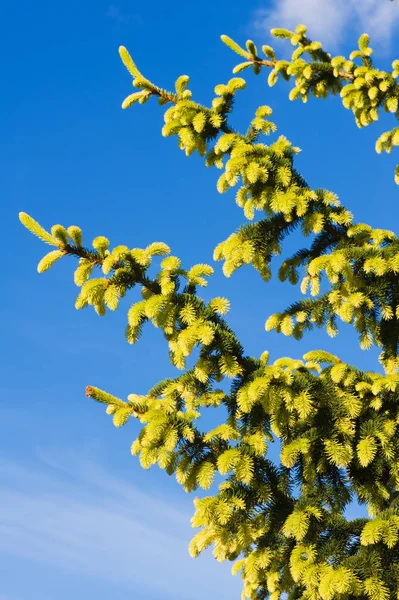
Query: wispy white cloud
[
  {"x": 116, "y": 13},
  {"x": 331, "y": 21},
  {"x": 91, "y": 524}
]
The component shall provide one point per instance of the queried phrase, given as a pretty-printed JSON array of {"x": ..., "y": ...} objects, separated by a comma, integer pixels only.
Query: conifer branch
[
  {"x": 337, "y": 425},
  {"x": 132, "y": 278},
  {"x": 272, "y": 184},
  {"x": 363, "y": 88}
]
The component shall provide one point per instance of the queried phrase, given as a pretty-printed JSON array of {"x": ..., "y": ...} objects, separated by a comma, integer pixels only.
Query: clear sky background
[{"x": 78, "y": 516}]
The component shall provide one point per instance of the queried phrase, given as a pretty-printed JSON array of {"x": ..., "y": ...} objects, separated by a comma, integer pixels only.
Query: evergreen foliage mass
[{"x": 282, "y": 525}]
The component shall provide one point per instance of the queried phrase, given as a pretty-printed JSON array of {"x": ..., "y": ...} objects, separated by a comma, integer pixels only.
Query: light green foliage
[
  {"x": 364, "y": 89},
  {"x": 337, "y": 425},
  {"x": 36, "y": 229},
  {"x": 48, "y": 260}
]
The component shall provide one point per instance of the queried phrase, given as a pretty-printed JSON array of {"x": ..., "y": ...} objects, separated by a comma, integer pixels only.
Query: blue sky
[{"x": 78, "y": 517}]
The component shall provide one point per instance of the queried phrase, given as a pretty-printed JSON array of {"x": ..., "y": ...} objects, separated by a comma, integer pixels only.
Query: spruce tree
[{"x": 283, "y": 524}]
